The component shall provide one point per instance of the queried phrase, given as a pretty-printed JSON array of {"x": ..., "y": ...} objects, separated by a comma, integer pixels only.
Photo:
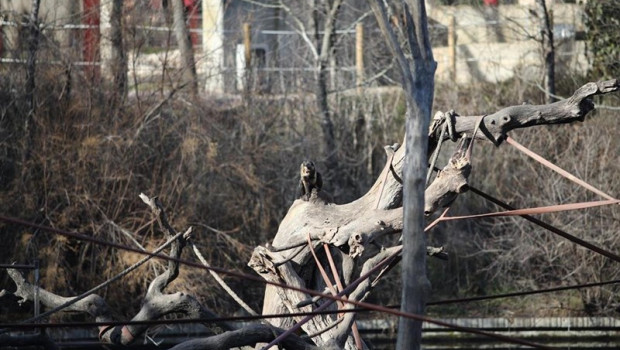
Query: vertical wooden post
[
  {"x": 91, "y": 37},
  {"x": 359, "y": 56},
  {"x": 452, "y": 48},
  {"x": 111, "y": 50},
  {"x": 247, "y": 44}
]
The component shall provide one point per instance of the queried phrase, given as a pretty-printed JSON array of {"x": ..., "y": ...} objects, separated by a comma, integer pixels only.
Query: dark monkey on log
[{"x": 309, "y": 179}]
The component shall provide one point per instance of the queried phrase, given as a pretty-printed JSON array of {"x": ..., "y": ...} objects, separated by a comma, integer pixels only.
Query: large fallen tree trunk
[{"x": 353, "y": 231}]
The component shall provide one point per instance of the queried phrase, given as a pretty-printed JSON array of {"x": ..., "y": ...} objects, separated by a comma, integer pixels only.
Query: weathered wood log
[
  {"x": 498, "y": 124},
  {"x": 354, "y": 228},
  {"x": 155, "y": 305}
]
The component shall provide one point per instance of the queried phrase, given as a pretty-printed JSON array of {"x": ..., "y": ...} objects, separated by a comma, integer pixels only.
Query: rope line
[
  {"x": 296, "y": 314},
  {"x": 236, "y": 274},
  {"x": 399, "y": 313},
  {"x": 330, "y": 298},
  {"x": 519, "y": 294},
  {"x": 557, "y": 169},
  {"x": 165, "y": 257},
  {"x": 536, "y": 210},
  {"x": 549, "y": 227},
  {"x": 108, "y": 282}
]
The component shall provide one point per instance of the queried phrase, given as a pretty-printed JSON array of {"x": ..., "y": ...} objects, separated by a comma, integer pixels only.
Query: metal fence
[{"x": 282, "y": 60}]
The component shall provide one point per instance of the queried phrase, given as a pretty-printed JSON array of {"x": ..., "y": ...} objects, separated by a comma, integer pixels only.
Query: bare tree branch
[
  {"x": 247, "y": 336},
  {"x": 498, "y": 124}
]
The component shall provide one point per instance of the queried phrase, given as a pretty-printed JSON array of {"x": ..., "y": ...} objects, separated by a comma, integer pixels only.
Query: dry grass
[{"x": 234, "y": 169}]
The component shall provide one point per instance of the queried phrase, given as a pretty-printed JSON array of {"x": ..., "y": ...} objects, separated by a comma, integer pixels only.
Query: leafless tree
[
  {"x": 548, "y": 47},
  {"x": 417, "y": 76},
  {"x": 316, "y": 23},
  {"x": 113, "y": 57},
  {"x": 33, "y": 46},
  {"x": 181, "y": 33}
]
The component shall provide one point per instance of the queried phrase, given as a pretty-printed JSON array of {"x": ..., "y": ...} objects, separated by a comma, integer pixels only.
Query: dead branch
[
  {"x": 498, "y": 124},
  {"x": 155, "y": 305},
  {"x": 247, "y": 336},
  {"x": 221, "y": 282},
  {"x": 360, "y": 294},
  {"x": 452, "y": 180}
]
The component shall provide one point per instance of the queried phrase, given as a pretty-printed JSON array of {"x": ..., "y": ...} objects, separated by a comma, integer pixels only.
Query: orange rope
[
  {"x": 556, "y": 168},
  {"x": 536, "y": 210}
]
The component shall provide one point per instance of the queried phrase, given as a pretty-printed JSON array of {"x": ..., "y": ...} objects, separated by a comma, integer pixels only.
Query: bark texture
[
  {"x": 181, "y": 34},
  {"x": 113, "y": 58}
]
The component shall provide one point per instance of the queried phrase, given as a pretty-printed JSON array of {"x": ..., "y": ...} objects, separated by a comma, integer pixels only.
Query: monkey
[{"x": 309, "y": 179}]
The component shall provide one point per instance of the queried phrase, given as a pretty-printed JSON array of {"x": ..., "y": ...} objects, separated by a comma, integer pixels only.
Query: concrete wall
[
  {"x": 495, "y": 44},
  {"x": 51, "y": 12},
  {"x": 504, "y": 23},
  {"x": 496, "y": 62}
]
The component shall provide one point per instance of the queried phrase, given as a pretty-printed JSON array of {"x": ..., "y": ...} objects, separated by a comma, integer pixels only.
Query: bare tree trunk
[
  {"x": 113, "y": 58},
  {"x": 418, "y": 83},
  {"x": 325, "y": 48},
  {"x": 419, "y": 104},
  {"x": 546, "y": 31},
  {"x": 181, "y": 33},
  {"x": 33, "y": 46},
  {"x": 326, "y": 122},
  {"x": 31, "y": 103}
]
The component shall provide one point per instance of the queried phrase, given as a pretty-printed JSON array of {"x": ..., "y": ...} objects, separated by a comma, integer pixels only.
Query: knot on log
[
  {"x": 500, "y": 119},
  {"x": 444, "y": 122},
  {"x": 261, "y": 261},
  {"x": 356, "y": 245},
  {"x": 449, "y": 183}
]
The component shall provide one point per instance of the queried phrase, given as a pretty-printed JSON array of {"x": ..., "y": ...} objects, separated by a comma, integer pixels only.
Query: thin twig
[{"x": 221, "y": 282}]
